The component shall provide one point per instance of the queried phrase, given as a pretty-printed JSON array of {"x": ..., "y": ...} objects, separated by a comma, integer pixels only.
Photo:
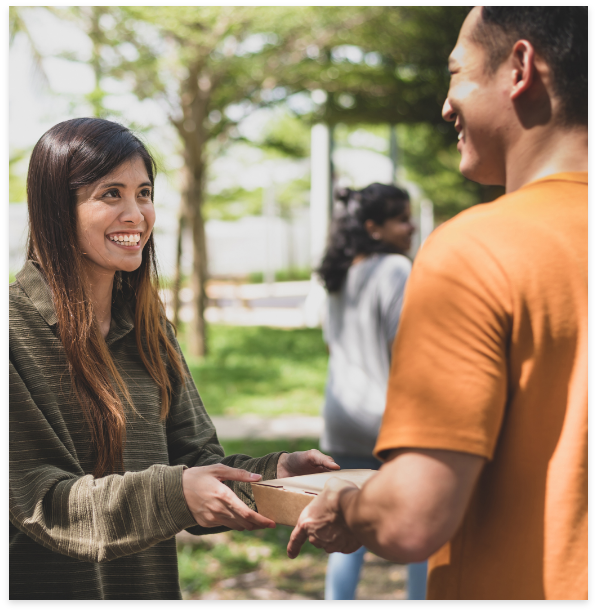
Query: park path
[{"x": 252, "y": 427}]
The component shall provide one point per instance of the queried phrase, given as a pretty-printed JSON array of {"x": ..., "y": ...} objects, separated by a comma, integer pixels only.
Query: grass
[
  {"x": 259, "y": 448},
  {"x": 294, "y": 274},
  {"x": 212, "y": 559},
  {"x": 261, "y": 370}
]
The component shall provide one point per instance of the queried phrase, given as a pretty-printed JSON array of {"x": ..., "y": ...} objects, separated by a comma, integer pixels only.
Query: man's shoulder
[{"x": 536, "y": 204}]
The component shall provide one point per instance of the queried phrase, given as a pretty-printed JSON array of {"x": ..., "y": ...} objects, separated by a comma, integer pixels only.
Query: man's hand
[
  {"x": 322, "y": 521},
  {"x": 305, "y": 462},
  {"x": 213, "y": 504}
]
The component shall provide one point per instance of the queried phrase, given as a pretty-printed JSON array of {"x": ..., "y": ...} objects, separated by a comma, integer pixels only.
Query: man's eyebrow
[{"x": 105, "y": 185}]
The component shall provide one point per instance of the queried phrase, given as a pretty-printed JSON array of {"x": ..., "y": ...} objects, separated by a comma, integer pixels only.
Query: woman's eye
[
  {"x": 113, "y": 193},
  {"x": 146, "y": 193}
]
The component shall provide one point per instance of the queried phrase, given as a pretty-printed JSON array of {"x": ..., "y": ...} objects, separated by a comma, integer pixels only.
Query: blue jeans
[{"x": 343, "y": 571}]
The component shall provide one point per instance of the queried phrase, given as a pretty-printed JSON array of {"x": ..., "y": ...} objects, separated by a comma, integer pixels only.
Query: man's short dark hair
[{"x": 559, "y": 34}]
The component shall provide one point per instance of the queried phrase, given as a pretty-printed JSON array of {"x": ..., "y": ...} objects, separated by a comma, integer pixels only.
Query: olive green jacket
[{"x": 73, "y": 536}]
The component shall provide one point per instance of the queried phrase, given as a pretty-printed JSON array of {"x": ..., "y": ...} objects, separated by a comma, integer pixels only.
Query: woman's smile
[{"x": 127, "y": 239}]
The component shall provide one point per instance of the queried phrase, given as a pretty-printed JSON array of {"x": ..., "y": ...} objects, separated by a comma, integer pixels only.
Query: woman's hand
[
  {"x": 305, "y": 462},
  {"x": 213, "y": 504}
]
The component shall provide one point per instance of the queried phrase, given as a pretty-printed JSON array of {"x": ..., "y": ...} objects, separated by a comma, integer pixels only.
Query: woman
[
  {"x": 364, "y": 270},
  {"x": 111, "y": 450}
]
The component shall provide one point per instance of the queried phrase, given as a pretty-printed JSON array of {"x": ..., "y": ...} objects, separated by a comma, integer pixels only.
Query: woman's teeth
[{"x": 126, "y": 239}]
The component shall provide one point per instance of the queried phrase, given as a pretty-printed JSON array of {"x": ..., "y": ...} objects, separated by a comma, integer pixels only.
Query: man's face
[{"x": 477, "y": 103}]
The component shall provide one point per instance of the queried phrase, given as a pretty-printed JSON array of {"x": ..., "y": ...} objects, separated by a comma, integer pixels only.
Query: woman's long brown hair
[{"x": 69, "y": 156}]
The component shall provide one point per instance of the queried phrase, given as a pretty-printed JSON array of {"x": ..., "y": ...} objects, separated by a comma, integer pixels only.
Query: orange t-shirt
[{"x": 491, "y": 359}]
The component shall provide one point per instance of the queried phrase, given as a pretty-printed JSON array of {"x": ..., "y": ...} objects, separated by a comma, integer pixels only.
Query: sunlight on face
[
  {"x": 115, "y": 217},
  {"x": 476, "y": 103}
]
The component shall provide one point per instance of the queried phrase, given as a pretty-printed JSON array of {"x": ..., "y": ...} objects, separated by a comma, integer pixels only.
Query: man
[{"x": 485, "y": 431}]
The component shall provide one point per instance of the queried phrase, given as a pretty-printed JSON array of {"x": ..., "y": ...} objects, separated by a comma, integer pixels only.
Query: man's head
[{"x": 514, "y": 68}]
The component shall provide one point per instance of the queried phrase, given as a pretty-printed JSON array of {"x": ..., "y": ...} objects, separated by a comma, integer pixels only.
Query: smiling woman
[
  {"x": 75, "y": 166},
  {"x": 111, "y": 450}
]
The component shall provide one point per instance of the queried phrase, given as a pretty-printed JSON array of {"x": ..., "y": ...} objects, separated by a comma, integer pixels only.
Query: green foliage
[
  {"x": 17, "y": 186},
  {"x": 434, "y": 167},
  {"x": 287, "y": 135},
  {"x": 261, "y": 370},
  {"x": 232, "y": 204}
]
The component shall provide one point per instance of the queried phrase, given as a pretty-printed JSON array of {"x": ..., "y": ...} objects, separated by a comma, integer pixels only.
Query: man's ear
[{"x": 523, "y": 68}]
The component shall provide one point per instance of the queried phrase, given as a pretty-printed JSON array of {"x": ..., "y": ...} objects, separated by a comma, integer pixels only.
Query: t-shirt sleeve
[
  {"x": 448, "y": 380},
  {"x": 392, "y": 295}
]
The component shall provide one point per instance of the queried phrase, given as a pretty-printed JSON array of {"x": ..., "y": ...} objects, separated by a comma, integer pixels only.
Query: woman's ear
[{"x": 373, "y": 229}]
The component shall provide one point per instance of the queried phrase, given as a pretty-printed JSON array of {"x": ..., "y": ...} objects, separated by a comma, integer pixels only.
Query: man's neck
[
  {"x": 100, "y": 283},
  {"x": 545, "y": 151}
]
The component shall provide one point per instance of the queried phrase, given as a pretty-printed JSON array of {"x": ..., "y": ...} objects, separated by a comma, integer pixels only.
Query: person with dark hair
[
  {"x": 111, "y": 450},
  {"x": 485, "y": 434},
  {"x": 364, "y": 270}
]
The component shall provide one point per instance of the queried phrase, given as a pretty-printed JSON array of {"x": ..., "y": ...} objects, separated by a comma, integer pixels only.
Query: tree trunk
[
  {"x": 197, "y": 338},
  {"x": 195, "y": 103},
  {"x": 178, "y": 271}
]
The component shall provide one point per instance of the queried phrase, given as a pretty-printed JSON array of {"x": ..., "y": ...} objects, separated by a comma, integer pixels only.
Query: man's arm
[{"x": 404, "y": 514}]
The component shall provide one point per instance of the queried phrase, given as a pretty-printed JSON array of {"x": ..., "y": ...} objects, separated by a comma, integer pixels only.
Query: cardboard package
[{"x": 282, "y": 500}]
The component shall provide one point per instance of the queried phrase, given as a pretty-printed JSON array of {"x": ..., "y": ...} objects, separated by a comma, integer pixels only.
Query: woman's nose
[{"x": 132, "y": 213}]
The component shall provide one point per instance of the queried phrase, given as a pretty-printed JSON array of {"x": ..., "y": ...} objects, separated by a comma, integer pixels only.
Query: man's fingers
[{"x": 297, "y": 538}]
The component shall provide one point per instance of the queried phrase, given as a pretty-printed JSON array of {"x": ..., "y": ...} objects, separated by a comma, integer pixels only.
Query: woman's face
[
  {"x": 115, "y": 217},
  {"x": 396, "y": 231}
]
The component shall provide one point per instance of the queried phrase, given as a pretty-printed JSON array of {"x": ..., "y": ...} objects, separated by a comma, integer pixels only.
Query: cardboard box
[{"x": 282, "y": 500}]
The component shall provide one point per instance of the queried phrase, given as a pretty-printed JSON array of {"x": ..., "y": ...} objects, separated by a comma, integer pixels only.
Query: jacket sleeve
[
  {"x": 91, "y": 519},
  {"x": 192, "y": 441}
]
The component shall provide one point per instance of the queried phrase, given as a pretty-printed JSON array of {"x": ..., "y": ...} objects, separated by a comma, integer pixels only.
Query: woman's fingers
[
  {"x": 249, "y": 518},
  {"x": 212, "y": 503},
  {"x": 320, "y": 462},
  {"x": 225, "y": 472}
]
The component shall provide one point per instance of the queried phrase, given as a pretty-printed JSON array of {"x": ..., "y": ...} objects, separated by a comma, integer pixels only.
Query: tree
[{"x": 210, "y": 67}]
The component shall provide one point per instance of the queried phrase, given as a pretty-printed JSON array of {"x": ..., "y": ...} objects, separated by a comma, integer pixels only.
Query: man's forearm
[
  {"x": 377, "y": 527},
  {"x": 414, "y": 505}
]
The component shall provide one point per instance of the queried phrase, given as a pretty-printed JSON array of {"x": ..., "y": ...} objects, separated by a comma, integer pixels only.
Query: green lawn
[{"x": 261, "y": 370}]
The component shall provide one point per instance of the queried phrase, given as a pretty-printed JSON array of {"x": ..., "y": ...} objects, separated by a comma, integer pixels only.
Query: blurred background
[{"x": 255, "y": 115}]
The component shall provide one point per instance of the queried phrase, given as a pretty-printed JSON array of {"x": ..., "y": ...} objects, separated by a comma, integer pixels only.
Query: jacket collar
[{"x": 35, "y": 286}]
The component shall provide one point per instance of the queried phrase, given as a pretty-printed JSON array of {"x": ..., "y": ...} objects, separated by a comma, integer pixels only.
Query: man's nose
[{"x": 448, "y": 113}]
